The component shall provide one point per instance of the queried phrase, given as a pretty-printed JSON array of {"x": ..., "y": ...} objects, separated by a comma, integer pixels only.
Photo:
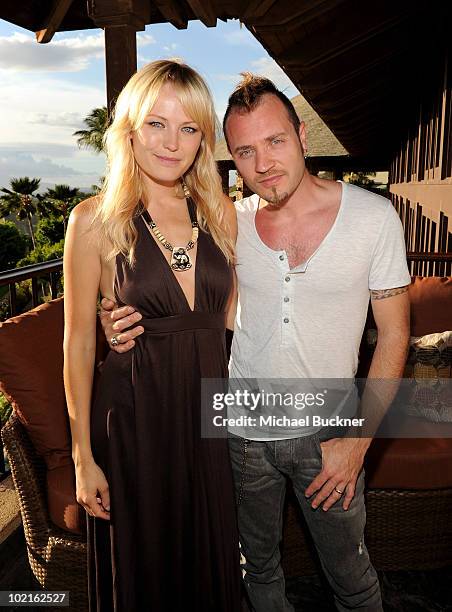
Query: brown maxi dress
[{"x": 171, "y": 543}]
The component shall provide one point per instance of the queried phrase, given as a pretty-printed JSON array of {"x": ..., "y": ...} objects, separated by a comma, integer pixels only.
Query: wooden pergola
[
  {"x": 120, "y": 20},
  {"x": 384, "y": 45}
]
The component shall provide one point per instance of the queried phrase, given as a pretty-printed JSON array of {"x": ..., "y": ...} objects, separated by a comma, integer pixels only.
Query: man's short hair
[{"x": 248, "y": 95}]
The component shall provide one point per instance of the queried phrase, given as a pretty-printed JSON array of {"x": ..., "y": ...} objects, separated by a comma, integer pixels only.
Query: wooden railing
[
  {"x": 430, "y": 264},
  {"x": 421, "y": 264},
  {"x": 51, "y": 269}
]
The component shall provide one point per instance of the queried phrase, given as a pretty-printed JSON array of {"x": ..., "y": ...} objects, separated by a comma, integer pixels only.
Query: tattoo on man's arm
[{"x": 381, "y": 294}]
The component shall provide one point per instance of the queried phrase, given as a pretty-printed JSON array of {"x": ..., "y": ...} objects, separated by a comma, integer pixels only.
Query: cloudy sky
[{"x": 47, "y": 90}]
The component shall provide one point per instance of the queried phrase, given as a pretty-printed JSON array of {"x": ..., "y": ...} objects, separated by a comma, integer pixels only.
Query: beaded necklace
[{"x": 180, "y": 259}]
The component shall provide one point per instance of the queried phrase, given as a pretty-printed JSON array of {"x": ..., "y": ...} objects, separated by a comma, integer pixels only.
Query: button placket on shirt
[{"x": 286, "y": 299}]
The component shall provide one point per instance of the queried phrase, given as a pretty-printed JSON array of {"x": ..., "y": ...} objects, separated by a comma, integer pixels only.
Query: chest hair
[{"x": 299, "y": 244}]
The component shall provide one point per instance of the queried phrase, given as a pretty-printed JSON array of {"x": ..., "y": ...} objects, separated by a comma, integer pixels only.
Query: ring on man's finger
[
  {"x": 338, "y": 491},
  {"x": 114, "y": 340}
]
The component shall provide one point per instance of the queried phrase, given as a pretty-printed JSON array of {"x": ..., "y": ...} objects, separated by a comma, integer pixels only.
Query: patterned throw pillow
[{"x": 429, "y": 364}]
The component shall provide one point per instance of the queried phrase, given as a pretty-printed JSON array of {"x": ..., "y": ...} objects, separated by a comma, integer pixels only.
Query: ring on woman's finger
[
  {"x": 114, "y": 340},
  {"x": 338, "y": 491}
]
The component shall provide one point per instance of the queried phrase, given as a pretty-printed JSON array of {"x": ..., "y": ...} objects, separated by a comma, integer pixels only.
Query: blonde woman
[{"x": 160, "y": 237}]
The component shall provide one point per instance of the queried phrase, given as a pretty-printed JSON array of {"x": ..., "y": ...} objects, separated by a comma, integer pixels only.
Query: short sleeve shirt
[{"x": 307, "y": 322}]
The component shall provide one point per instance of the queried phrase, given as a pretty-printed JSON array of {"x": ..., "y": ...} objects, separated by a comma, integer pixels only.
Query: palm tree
[
  {"x": 61, "y": 200},
  {"x": 21, "y": 201},
  {"x": 97, "y": 122},
  {"x": 97, "y": 188}
]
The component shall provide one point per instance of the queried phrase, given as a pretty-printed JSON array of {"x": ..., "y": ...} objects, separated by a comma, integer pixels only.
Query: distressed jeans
[{"x": 260, "y": 481}]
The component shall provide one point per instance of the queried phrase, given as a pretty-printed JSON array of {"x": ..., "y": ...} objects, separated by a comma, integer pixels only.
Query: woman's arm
[
  {"x": 231, "y": 224},
  {"x": 231, "y": 306},
  {"x": 82, "y": 274}
]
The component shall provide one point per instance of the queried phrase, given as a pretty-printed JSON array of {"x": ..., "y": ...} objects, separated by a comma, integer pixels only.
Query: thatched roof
[{"x": 321, "y": 140}]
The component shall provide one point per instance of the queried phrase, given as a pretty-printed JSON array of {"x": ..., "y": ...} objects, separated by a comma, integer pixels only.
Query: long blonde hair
[{"x": 123, "y": 186}]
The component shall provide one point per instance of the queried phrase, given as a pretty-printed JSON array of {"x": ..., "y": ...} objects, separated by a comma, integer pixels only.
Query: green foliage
[
  {"x": 362, "y": 179},
  {"x": 53, "y": 207},
  {"x": 95, "y": 189},
  {"x": 60, "y": 201},
  {"x": 62, "y": 193},
  {"x": 49, "y": 231},
  {"x": 13, "y": 245},
  {"x": 5, "y": 409},
  {"x": 22, "y": 186},
  {"x": 366, "y": 181},
  {"x": 97, "y": 123},
  {"x": 44, "y": 252},
  {"x": 23, "y": 299},
  {"x": 19, "y": 200}
]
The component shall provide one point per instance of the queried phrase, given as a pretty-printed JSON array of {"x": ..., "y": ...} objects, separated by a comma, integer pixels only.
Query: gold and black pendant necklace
[{"x": 180, "y": 259}]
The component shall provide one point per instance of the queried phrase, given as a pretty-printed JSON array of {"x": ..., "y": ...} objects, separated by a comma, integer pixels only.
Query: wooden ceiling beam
[
  {"x": 322, "y": 80},
  {"x": 256, "y": 9},
  {"x": 133, "y": 13},
  {"x": 379, "y": 36},
  {"x": 287, "y": 17},
  {"x": 172, "y": 11},
  {"x": 364, "y": 85},
  {"x": 204, "y": 11},
  {"x": 60, "y": 8}
]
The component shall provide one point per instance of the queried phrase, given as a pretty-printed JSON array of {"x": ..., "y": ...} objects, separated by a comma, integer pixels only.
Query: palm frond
[{"x": 97, "y": 123}]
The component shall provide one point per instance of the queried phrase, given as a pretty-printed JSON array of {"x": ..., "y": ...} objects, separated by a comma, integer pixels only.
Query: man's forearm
[{"x": 383, "y": 381}]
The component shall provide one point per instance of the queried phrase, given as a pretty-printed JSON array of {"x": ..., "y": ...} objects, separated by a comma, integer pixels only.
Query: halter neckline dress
[{"x": 171, "y": 542}]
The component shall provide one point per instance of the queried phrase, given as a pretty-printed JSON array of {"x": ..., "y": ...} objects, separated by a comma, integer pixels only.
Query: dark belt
[{"x": 184, "y": 322}]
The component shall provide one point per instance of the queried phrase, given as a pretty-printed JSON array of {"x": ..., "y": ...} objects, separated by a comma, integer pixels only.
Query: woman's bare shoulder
[{"x": 83, "y": 213}]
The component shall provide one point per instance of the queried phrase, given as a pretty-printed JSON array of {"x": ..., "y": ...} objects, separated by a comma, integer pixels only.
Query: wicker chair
[{"x": 57, "y": 558}]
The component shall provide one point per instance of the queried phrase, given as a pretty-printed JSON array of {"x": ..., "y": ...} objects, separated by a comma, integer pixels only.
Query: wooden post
[
  {"x": 121, "y": 19},
  {"x": 120, "y": 59}
]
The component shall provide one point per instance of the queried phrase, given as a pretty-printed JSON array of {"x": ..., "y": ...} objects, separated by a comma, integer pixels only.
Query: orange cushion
[
  {"x": 431, "y": 304},
  {"x": 430, "y": 312},
  {"x": 412, "y": 463},
  {"x": 31, "y": 376}
]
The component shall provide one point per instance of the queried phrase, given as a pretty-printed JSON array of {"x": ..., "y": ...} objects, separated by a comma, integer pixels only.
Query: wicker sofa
[
  {"x": 409, "y": 519},
  {"x": 408, "y": 481}
]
